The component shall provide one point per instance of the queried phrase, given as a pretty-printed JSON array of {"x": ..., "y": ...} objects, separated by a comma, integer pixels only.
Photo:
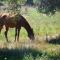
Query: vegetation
[
  {"x": 39, "y": 49},
  {"x": 49, "y": 6},
  {"x": 41, "y": 25},
  {"x": 25, "y": 54}
]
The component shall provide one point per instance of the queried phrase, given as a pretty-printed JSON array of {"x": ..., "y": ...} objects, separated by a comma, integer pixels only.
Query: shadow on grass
[
  {"x": 54, "y": 40},
  {"x": 17, "y": 54},
  {"x": 25, "y": 54}
]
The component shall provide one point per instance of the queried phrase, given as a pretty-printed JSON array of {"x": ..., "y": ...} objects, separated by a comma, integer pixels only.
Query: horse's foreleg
[
  {"x": 18, "y": 34},
  {"x": 6, "y": 34},
  {"x": 15, "y": 33}
]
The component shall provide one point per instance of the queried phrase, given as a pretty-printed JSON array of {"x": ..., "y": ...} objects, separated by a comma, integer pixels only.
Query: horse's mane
[{"x": 25, "y": 23}]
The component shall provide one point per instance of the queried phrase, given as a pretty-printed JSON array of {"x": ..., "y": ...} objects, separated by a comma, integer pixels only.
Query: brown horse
[
  {"x": 16, "y": 21},
  {"x": 1, "y": 24}
]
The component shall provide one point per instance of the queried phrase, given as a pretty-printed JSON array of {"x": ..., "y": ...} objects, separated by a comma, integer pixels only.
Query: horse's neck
[{"x": 27, "y": 26}]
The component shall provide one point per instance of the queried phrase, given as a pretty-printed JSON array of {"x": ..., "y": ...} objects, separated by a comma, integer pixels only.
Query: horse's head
[{"x": 31, "y": 34}]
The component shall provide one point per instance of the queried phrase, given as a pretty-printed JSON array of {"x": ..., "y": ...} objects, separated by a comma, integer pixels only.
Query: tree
[
  {"x": 29, "y": 2},
  {"x": 49, "y": 6},
  {"x": 13, "y": 5}
]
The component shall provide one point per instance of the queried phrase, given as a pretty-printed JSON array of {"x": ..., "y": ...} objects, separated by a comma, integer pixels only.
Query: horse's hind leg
[
  {"x": 1, "y": 28},
  {"x": 6, "y": 34}
]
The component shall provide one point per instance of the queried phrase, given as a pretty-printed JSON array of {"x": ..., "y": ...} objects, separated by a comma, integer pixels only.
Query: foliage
[
  {"x": 49, "y": 6},
  {"x": 29, "y": 2},
  {"x": 14, "y": 5}
]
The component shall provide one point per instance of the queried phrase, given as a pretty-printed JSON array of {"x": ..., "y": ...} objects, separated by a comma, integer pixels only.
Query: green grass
[
  {"x": 40, "y": 23},
  {"x": 25, "y": 54},
  {"x": 44, "y": 24},
  {"x": 37, "y": 50}
]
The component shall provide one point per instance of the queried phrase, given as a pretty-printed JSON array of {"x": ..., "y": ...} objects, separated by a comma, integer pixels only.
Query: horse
[
  {"x": 16, "y": 22},
  {"x": 1, "y": 24}
]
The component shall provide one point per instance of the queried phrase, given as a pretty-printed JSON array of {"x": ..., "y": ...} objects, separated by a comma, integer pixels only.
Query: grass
[
  {"x": 43, "y": 24},
  {"x": 27, "y": 54},
  {"x": 37, "y": 50},
  {"x": 40, "y": 23}
]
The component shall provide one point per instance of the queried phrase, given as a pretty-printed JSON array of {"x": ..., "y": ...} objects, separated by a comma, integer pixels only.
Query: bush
[{"x": 49, "y": 6}]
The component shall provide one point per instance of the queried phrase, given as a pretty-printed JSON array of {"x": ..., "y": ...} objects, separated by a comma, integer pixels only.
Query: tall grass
[
  {"x": 40, "y": 50},
  {"x": 40, "y": 23},
  {"x": 25, "y": 54}
]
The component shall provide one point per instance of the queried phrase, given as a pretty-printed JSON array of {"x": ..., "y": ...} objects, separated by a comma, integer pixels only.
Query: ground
[{"x": 40, "y": 48}]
